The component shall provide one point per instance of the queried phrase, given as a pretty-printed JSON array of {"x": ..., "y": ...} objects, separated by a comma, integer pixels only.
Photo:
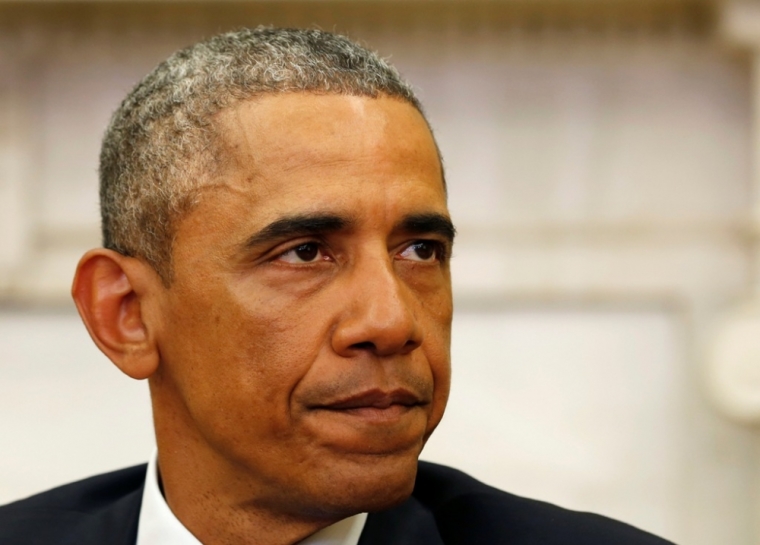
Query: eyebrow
[
  {"x": 432, "y": 223},
  {"x": 306, "y": 224},
  {"x": 297, "y": 225}
]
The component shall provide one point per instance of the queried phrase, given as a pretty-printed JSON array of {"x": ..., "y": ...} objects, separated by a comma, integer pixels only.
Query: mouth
[
  {"x": 376, "y": 399},
  {"x": 374, "y": 421},
  {"x": 375, "y": 405}
]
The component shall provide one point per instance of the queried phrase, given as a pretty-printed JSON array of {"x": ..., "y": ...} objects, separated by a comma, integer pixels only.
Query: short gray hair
[{"x": 160, "y": 145}]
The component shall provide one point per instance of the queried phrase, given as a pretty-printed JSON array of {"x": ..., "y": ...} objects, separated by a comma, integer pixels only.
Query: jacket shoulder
[
  {"x": 86, "y": 511},
  {"x": 468, "y": 511}
]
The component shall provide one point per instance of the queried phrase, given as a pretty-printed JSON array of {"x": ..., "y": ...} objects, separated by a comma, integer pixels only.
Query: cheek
[
  {"x": 439, "y": 357},
  {"x": 241, "y": 353},
  {"x": 438, "y": 351}
]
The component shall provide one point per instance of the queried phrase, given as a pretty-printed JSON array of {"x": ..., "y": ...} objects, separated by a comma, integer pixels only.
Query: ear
[{"x": 112, "y": 292}]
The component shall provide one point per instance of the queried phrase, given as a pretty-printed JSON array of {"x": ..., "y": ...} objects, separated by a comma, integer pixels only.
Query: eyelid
[
  {"x": 442, "y": 248},
  {"x": 291, "y": 245}
]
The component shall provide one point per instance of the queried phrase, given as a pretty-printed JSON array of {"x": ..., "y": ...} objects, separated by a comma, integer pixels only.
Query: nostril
[{"x": 366, "y": 345}]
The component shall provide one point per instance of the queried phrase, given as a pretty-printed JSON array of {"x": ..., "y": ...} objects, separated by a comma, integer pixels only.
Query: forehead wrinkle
[{"x": 305, "y": 158}]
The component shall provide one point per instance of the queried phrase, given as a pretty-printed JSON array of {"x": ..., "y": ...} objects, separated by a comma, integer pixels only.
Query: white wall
[
  {"x": 66, "y": 412},
  {"x": 580, "y": 407}
]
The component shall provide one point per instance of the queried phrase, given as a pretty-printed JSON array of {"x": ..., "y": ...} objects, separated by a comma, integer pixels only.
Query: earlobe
[{"x": 111, "y": 291}]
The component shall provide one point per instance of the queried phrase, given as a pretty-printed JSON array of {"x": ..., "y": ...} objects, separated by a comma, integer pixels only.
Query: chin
[{"x": 373, "y": 483}]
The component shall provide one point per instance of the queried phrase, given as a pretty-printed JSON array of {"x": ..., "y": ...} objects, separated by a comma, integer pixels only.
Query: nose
[{"x": 378, "y": 314}]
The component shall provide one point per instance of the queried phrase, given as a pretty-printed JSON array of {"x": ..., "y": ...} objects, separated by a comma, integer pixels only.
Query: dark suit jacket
[{"x": 446, "y": 508}]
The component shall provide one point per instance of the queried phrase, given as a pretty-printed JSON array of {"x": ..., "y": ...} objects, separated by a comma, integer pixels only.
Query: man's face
[{"x": 305, "y": 338}]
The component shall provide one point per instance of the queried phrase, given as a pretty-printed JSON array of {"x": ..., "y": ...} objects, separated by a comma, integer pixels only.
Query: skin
[{"x": 299, "y": 360}]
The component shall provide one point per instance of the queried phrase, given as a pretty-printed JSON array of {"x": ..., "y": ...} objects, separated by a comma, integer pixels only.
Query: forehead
[{"x": 317, "y": 139}]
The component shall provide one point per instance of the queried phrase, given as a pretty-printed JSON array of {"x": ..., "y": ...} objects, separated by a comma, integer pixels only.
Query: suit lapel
[
  {"x": 115, "y": 524},
  {"x": 408, "y": 524}
]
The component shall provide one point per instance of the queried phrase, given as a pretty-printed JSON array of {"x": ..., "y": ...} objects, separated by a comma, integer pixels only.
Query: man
[{"x": 276, "y": 264}]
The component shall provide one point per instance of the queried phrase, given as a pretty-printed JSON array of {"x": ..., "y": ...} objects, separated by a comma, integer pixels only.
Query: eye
[
  {"x": 426, "y": 251},
  {"x": 308, "y": 252}
]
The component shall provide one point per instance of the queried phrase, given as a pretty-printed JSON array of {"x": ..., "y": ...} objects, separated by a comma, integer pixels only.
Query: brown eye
[
  {"x": 307, "y": 252},
  {"x": 421, "y": 251},
  {"x": 303, "y": 253},
  {"x": 424, "y": 250}
]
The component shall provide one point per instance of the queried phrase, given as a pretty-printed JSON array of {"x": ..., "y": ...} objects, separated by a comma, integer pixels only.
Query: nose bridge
[
  {"x": 380, "y": 315},
  {"x": 388, "y": 302}
]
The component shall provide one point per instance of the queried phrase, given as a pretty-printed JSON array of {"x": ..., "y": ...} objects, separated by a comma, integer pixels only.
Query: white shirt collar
[{"x": 158, "y": 525}]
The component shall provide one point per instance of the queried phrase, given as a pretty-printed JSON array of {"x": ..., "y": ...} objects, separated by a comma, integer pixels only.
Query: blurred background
[{"x": 601, "y": 156}]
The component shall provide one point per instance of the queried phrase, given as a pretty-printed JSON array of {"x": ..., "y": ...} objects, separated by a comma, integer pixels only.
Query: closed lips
[{"x": 376, "y": 399}]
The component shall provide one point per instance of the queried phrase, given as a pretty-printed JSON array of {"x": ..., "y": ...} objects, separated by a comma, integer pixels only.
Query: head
[
  {"x": 162, "y": 143},
  {"x": 276, "y": 264}
]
